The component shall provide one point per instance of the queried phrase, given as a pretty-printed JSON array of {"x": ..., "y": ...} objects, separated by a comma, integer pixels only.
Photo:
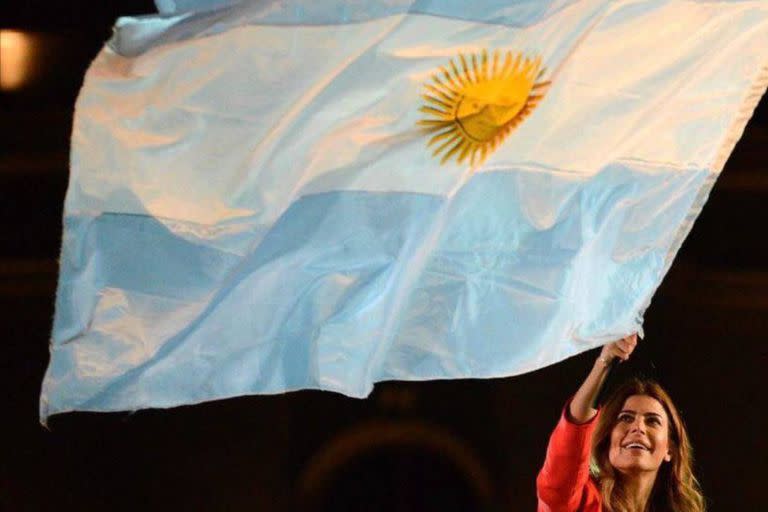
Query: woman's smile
[{"x": 639, "y": 440}]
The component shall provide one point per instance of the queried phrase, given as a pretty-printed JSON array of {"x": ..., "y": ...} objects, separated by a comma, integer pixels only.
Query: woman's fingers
[
  {"x": 620, "y": 349},
  {"x": 625, "y": 346},
  {"x": 630, "y": 342},
  {"x": 620, "y": 352}
]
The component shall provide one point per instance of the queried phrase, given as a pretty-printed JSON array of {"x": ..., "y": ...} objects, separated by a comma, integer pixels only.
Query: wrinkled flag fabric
[{"x": 272, "y": 196}]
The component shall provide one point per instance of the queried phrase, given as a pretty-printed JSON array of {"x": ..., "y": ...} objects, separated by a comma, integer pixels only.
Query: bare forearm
[
  {"x": 581, "y": 406},
  {"x": 581, "y": 409}
]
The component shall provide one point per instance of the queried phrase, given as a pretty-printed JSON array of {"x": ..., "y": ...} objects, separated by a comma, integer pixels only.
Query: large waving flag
[{"x": 277, "y": 195}]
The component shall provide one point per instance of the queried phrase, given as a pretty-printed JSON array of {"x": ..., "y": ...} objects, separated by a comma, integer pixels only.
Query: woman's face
[{"x": 640, "y": 437}]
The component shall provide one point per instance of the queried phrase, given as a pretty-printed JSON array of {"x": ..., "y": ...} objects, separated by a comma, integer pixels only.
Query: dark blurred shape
[
  {"x": 397, "y": 399},
  {"x": 398, "y": 479},
  {"x": 395, "y": 466},
  {"x": 94, "y": 19}
]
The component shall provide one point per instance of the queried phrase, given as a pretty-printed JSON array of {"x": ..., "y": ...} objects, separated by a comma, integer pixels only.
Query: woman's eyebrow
[{"x": 630, "y": 411}]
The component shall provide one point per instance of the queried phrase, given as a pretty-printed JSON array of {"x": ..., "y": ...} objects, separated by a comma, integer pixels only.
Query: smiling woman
[
  {"x": 640, "y": 442},
  {"x": 641, "y": 458}
]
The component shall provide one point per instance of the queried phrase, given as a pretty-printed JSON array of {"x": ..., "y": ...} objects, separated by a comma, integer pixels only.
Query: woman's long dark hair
[{"x": 676, "y": 488}]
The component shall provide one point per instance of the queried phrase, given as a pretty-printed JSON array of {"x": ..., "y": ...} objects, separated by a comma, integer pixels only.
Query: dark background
[{"x": 442, "y": 446}]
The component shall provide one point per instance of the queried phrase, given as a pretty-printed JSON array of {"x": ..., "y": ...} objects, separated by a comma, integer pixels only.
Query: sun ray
[
  {"x": 436, "y": 102},
  {"x": 476, "y": 101},
  {"x": 465, "y": 69},
  {"x": 438, "y": 113},
  {"x": 449, "y": 133},
  {"x": 446, "y": 95},
  {"x": 456, "y": 139},
  {"x": 433, "y": 125},
  {"x": 484, "y": 65},
  {"x": 443, "y": 85},
  {"x": 442, "y": 135},
  {"x": 516, "y": 64},
  {"x": 465, "y": 151},
  {"x": 457, "y": 74},
  {"x": 507, "y": 63},
  {"x": 453, "y": 150},
  {"x": 449, "y": 79}
]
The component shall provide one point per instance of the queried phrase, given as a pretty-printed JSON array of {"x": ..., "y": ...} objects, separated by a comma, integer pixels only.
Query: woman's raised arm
[{"x": 581, "y": 409}]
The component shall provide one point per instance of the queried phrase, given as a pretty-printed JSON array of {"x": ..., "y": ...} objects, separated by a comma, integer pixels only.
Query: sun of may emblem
[{"x": 474, "y": 104}]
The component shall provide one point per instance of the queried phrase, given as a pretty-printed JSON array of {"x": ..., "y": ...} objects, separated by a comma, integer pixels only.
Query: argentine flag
[{"x": 269, "y": 196}]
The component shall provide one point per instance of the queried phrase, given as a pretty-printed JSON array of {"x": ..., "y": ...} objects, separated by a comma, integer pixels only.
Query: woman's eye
[{"x": 626, "y": 418}]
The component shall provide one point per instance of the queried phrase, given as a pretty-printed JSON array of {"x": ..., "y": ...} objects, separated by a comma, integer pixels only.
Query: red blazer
[{"x": 564, "y": 483}]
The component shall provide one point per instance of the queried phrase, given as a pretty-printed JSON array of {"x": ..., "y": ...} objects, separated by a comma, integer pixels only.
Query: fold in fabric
[{"x": 271, "y": 196}]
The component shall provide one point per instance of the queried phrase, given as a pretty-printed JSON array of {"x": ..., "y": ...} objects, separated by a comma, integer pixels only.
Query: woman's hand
[{"x": 621, "y": 349}]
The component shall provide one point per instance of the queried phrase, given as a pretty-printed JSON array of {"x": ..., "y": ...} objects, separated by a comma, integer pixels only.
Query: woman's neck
[{"x": 637, "y": 489}]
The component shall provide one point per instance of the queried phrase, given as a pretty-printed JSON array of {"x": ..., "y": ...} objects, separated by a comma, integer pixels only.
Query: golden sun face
[{"x": 472, "y": 110}]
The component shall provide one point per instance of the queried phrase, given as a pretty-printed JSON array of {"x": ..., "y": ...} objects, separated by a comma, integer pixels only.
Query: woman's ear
[{"x": 668, "y": 456}]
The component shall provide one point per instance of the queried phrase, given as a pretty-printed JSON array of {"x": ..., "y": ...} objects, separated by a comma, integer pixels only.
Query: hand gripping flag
[{"x": 280, "y": 195}]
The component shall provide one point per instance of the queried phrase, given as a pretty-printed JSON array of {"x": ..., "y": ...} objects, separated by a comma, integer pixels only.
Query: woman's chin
[
  {"x": 633, "y": 467},
  {"x": 630, "y": 463}
]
